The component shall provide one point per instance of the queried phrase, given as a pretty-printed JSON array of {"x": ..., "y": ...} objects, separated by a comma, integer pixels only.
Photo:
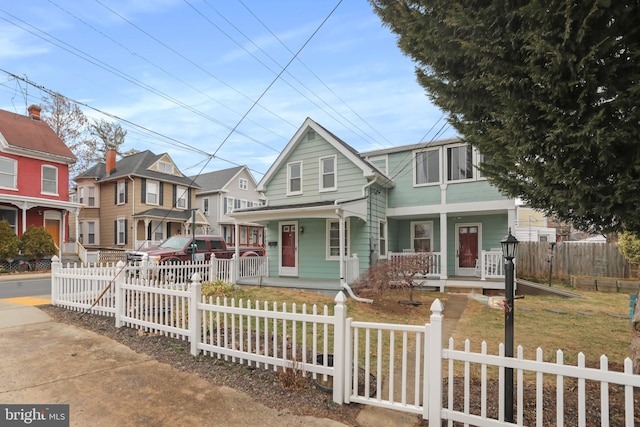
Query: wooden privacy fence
[
  {"x": 570, "y": 259},
  {"x": 394, "y": 366}
]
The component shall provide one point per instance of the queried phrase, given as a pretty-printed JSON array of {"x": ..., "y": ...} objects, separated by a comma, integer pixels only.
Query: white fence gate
[{"x": 399, "y": 367}]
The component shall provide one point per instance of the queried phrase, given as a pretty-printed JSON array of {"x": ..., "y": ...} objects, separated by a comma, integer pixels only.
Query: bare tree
[
  {"x": 110, "y": 136},
  {"x": 71, "y": 125}
]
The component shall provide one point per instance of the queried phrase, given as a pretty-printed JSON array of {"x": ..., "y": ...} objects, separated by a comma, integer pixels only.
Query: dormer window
[{"x": 165, "y": 167}]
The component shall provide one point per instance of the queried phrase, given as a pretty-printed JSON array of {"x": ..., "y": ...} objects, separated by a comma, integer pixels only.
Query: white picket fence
[{"x": 399, "y": 367}]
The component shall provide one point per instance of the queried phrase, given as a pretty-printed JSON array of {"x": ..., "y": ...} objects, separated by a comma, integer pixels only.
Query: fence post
[
  {"x": 234, "y": 270},
  {"x": 433, "y": 376},
  {"x": 144, "y": 265},
  {"x": 55, "y": 270},
  {"x": 339, "y": 347},
  {"x": 195, "y": 321},
  {"x": 118, "y": 281},
  {"x": 213, "y": 270}
]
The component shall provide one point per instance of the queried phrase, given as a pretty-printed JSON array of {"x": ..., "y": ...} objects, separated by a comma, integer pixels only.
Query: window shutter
[
  {"x": 189, "y": 198},
  {"x": 161, "y": 194},
  {"x": 126, "y": 191},
  {"x": 115, "y": 193},
  {"x": 175, "y": 198},
  {"x": 126, "y": 231},
  {"x": 143, "y": 190},
  {"x": 115, "y": 232}
]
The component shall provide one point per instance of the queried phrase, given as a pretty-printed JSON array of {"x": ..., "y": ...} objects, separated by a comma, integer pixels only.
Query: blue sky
[{"x": 190, "y": 70}]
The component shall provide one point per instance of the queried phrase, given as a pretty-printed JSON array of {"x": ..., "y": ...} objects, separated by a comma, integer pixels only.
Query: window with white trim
[
  {"x": 333, "y": 239},
  {"x": 8, "y": 173},
  {"x": 181, "y": 197},
  {"x": 11, "y": 216},
  {"x": 156, "y": 231},
  {"x": 421, "y": 236},
  {"x": 481, "y": 159},
  {"x": 165, "y": 167},
  {"x": 152, "y": 192},
  {"x": 122, "y": 188},
  {"x": 237, "y": 204},
  {"x": 328, "y": 173},
  {"x": 91, "y": 196},
  {"x": 49, "y": 179},
  {"x": 81, "y": 232},
  {"x": 427, "y": 167},
  {"x": 459, "y": 163},
  {"x": 294, "y": 178},
  {"x": 382, "y": 239},
  {"x": 228, "y": 204},
  {"x": 122, "y": 231},
  {"x": 81, "y": 195},
  {"x": 91, "y": 233},
  {"x": 243, "y": 183}
]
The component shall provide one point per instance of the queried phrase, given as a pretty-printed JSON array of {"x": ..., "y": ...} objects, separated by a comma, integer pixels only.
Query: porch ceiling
[{"x": 331, "y": 209}]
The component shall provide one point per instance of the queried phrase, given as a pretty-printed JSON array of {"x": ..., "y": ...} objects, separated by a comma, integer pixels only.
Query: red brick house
[{"x": 34, "y": 175}]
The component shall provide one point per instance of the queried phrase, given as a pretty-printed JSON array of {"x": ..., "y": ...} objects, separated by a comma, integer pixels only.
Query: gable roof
[
  {"x": 216, "y": 181},
  {"x": 368, "y": 169},
  {"x": 136, "y": 165},
  {"x": 26, "y": 136}
]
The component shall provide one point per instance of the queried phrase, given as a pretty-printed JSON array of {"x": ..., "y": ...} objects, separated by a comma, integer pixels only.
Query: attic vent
[{"x": 311, "y": 134}]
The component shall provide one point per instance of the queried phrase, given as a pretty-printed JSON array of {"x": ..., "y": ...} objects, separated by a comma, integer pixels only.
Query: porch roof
[
  {"x": 26, "y": 202},
  {"x": 325, "y": 209},
  {"x": 171, "y": 215}
]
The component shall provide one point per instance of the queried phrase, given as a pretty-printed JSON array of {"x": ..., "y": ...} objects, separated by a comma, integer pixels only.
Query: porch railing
[
  {"x": 434, "y": 261},
  {"x": 490, "y": 265}
]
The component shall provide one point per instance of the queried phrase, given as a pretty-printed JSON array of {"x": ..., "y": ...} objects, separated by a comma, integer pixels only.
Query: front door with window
[
  {"x": 288, "y": 265},
  {"x": 468, "y": 243}
]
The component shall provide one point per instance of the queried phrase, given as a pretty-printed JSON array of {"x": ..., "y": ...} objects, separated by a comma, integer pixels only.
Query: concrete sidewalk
[{"x": 107, "y": 384}]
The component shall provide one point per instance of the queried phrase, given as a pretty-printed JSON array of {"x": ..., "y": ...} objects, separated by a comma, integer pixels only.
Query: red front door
[
  {"x": 468, "y": 246},
  {"x": 288, "y": 249}
]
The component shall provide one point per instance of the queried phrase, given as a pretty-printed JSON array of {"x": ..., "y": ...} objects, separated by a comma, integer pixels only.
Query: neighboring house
[
  {"x": 532, "y": 226},
  {"x": 34, "y": 176},
  {"x": 135, "y": 202},
  {"x": 326, "y": 202},
  {"x": 220, "y": 193}
]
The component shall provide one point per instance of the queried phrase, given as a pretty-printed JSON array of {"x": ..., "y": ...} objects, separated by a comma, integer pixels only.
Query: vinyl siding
[{"x": 350, "y": 179}]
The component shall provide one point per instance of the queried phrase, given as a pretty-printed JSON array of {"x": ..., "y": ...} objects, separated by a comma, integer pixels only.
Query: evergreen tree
[
  {"x": 8, "y": 241},
  {"x": 548, "y": 91},
  {"x": 37, "y": 243}
]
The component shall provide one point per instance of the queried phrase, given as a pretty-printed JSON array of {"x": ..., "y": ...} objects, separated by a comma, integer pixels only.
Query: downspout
[
  {"x": 339, "y": 212},
  {"x": 133, "y": 211}
]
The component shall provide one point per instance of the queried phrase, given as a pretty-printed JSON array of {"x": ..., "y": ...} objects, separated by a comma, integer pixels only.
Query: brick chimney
[
  {"x": 111, "y": 161},
  {"x": 34, "y": 111}
]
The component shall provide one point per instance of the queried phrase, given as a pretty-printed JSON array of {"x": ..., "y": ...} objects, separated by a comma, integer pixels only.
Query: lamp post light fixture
[{"x": 509, "y": 249}]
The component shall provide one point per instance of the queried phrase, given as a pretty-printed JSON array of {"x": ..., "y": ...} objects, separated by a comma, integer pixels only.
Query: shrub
[
  {"x": 629, "y": 246},
  {"x": 219, "y": 288},
  {"x": 37, "y": 243},
  {"x": 9, "y": 247}
]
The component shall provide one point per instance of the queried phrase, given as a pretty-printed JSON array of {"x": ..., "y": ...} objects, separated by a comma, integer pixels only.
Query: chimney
[
  {"x": 111, "y": 161},
  {"x": 34, "y": 111}
]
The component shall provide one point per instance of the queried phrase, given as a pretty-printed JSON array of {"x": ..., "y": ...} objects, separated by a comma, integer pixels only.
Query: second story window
[
  {"x": 8, "y": 172},
  {"x": 294, "y": 178},
  {"x": 91, "y": 232},
  {"x": 81, "y": 195},
  {"x": 205, "y": 205},
  {"x": 459, "y": 163},
  {"x": 122, "y": 192},
  {"x": 228, "y": 204},
  {"x": 49, "y": 179},
  {"x": 427, "y": 167},
  {"x": 243, "y": 184},
  {"x": 91, "y": 196},
  {"x": 328, "y": 173},
  {"x": 181, "y": 197},
  {"x": 152, "y": 192}
]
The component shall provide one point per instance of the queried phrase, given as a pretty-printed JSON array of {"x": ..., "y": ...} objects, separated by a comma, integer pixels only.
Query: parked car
[{"x": 187, "y": 248}]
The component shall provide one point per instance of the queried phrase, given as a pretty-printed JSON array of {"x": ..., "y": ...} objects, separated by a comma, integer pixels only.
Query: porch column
[
  {"x": 76, "y": 214},
  {"x": 146, "y": 230},
  {"x": 443, "y": 246},
  {"x": 236, "y": 230}
]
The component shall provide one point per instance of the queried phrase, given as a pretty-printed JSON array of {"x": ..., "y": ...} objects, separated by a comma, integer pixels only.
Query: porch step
[{"x": 70, "y": 259}]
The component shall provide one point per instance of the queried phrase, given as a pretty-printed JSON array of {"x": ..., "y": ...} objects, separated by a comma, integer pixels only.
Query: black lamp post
[{"x": 509, "y": 248}]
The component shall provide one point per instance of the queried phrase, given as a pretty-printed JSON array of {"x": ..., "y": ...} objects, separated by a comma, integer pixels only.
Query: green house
[{"x": 331, "y": 212}]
